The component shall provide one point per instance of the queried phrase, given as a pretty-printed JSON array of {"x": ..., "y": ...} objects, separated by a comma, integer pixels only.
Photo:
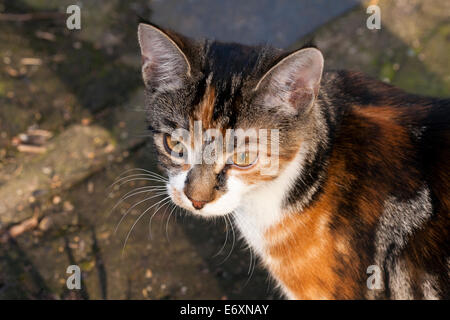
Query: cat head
[{"x": 227, "y": 119}]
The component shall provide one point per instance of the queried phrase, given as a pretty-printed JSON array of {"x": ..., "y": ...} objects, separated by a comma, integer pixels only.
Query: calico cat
[{"x": 363, "y": 167}]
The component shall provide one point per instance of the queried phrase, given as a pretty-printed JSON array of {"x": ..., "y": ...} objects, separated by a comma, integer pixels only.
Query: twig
[{"x": 23, "y": 17}]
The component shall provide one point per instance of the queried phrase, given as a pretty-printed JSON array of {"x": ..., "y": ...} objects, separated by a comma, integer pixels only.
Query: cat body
[
  {"x": 383, "y": 200},
  {"x": 362, "y": 185}
]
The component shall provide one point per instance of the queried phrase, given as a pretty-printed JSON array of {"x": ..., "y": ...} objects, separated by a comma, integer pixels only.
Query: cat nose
[{"x": 198, "y": 204}]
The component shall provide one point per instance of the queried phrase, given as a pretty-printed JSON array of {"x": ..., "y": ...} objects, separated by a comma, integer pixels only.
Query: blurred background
[{"x": 72, "y": 121}]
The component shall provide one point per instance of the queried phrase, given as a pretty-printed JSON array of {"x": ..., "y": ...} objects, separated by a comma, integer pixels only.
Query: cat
[{"x": 359, "y": 205}]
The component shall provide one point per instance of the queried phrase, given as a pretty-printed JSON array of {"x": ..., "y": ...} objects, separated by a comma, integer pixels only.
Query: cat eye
[
  {"x": 174, "y": 147},
  {"x": 244, "y": 159}
]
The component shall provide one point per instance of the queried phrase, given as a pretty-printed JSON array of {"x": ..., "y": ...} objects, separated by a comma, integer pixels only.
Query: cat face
[{"x": 226, "y": 119}]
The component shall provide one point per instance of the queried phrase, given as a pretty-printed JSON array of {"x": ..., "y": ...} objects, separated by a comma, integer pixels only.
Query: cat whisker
[
  {"x": 251, "y": 261},
  {"x": 135, "y": 192},
  {"x": 142, "y": 173},
  {"x": 234, "y": 239},
  {"x": 226, "y": 238},
  {"x": 110, "y": 194},
  {"x": 252, "y": 267},
  {"x": 151, "y": 218},
  {"x": 166, "y": 205},
  {"x": 167, "y": 223},
  {"x": 150, "y": 221},
  {"x": 137, "y": 176},
  {"x": 133, "y": 206},
  {"x": 139, "y": 218},
  {"x": 143, "y": 170},
  {"x": 252, "y": 264}
]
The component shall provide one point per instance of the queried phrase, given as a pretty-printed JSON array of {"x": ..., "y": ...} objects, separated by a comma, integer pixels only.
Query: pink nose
[{"x": 198, "y": 204}]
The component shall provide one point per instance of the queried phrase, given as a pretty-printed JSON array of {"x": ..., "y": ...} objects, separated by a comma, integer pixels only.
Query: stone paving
[{"x": 85, "y": 88}]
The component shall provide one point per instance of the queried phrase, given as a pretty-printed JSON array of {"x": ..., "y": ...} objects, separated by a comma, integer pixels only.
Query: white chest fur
[{"x": 262, "y": 209}]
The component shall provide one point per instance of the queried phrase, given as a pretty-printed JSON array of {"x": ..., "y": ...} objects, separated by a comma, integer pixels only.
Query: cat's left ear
[
  {"x": 164, "y": 64},
  {"x": 293, "y": 83}
]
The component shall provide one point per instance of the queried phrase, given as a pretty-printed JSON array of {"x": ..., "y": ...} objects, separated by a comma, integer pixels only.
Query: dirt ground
[{"x": 83, "y": 90}]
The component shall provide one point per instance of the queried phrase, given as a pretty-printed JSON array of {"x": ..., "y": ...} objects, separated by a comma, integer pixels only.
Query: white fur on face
[
  {"x": 255, "y": 207},
  {"x": 225, "y": 204}
]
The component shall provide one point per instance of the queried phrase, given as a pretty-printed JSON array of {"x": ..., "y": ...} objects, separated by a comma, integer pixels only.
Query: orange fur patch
[
  {"x": 309, "y": 253},
  {"x": 204, "y": 111},
  {"x": 303, "y": 250}
]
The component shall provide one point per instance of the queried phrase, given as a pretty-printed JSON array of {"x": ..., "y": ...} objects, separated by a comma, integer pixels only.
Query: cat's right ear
[{"x": 164, "y": 65}]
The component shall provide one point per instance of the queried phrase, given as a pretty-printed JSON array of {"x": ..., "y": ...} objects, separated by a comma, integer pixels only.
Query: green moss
[
  {"x": 387, "y": 72},
  {"x": 3, "y": 89},
  {"x": 87, "y": 265}
]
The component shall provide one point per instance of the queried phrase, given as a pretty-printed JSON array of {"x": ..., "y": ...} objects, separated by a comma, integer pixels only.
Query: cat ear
[
  {"x": 293, "y": 83},
  {"x": 164, "y": 65}
]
